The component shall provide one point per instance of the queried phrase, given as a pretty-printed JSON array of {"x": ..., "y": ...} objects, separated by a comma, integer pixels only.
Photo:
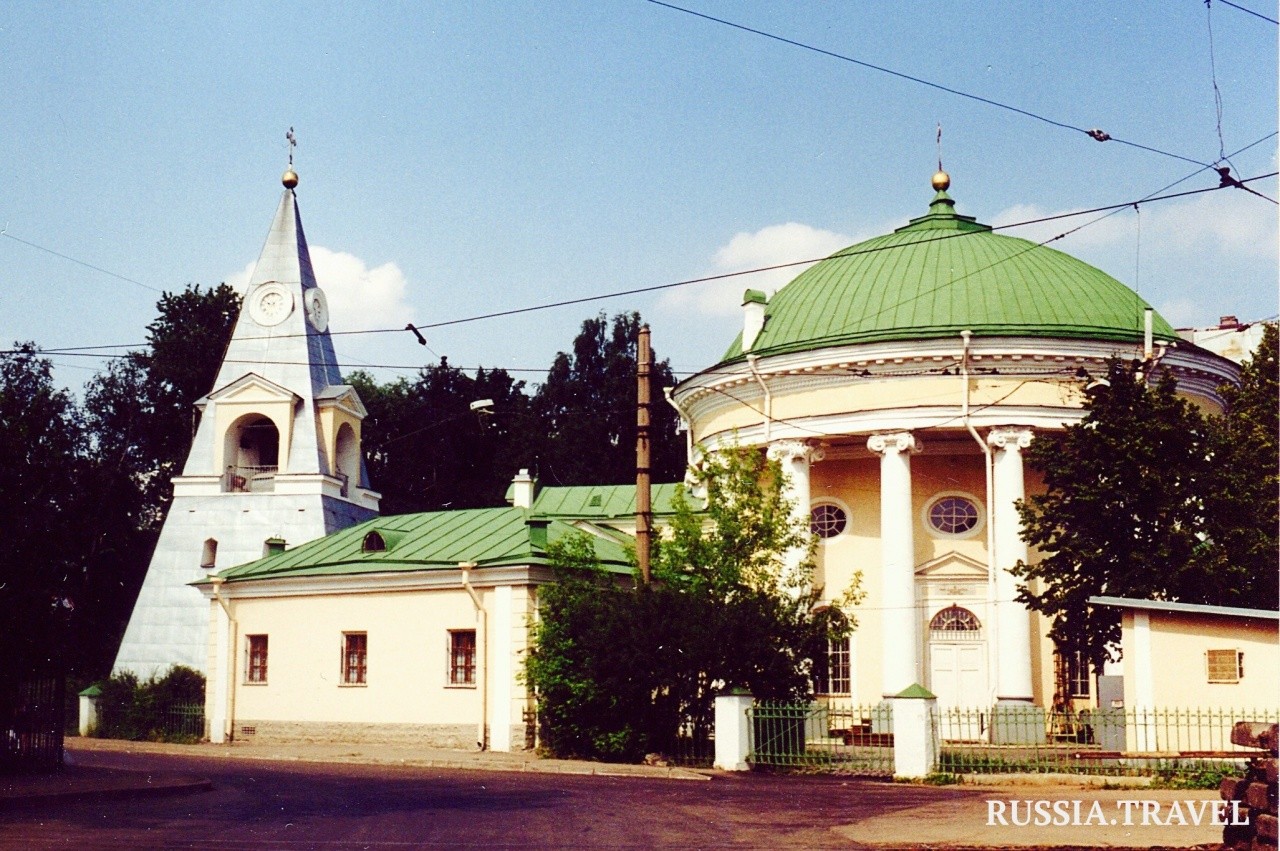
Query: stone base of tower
[{"x": 203, "y": 535}]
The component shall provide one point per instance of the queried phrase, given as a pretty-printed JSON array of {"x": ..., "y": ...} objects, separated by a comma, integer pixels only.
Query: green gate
[{"x": 823, "y": 737}]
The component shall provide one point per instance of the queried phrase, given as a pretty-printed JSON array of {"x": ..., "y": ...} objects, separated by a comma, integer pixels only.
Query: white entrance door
[{"x": 958, "y": 676}]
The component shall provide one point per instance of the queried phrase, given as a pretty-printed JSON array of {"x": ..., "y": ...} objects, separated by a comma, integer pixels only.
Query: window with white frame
[
  {"x": 1224, "y": 666},
  {"x": 839, "y": 666},
  {"x": 255, "y": 668},
  {"x": 826, "y": 520},
  {"x": 833, "y": 671},
  {"x": 355, "y": 658},
  {"x": 462, "y": 657},
  {"x": 1073, "y": 672},
  {"x": 953, "y": 515}
]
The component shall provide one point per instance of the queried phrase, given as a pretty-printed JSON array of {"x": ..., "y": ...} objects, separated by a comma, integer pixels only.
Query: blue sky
[{"x": 460, "y": 158}]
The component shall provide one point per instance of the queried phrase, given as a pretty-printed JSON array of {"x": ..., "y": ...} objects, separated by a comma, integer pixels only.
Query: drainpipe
[
  {"x": 482, "y": 650},
  {"x": 768, "y": 399},
  {"x": 229, "y": 674},
  {"x": 688, "y": 423},
  {"x": 987, "y": 466}
]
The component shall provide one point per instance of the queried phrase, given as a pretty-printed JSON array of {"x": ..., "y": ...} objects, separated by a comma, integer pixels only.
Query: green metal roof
[
  {"x": 490, "y": 537},
  {"x": 939, "y": 275},
  {"x": 601, "y": 502}
]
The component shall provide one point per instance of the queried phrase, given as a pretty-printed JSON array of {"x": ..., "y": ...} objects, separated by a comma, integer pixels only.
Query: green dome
[{"x": 939, "y": 275}]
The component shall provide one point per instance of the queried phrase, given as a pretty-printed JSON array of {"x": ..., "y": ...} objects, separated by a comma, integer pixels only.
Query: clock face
[
  {"x": 271, "y": 304},
  {"x": 317, "y": 308}
]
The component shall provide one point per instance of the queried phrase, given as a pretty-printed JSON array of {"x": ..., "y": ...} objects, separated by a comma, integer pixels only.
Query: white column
[
  {"x": 1013, "y": 620},
  {"x": 220, "y": 684},
  {"x": 500, "y": 653},
  {"x": 915, "y": 734},
  {"x": 795, "y": 456},
  {"x": 733, "y": 730},
  {"x": 89, "y": 709},
  {"x": 900, "y": 654},
  {"x": 1143, "y": 729}
]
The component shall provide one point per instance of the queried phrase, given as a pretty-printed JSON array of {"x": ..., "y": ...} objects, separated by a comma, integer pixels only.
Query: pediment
[
  {"x": 952, "y": 565},
  {"x": 252, "y": 387},
  {"x": 342, "y": 396}
]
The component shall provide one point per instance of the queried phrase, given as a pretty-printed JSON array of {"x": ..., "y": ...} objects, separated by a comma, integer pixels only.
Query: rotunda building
[{"x": 899, "y": 381}]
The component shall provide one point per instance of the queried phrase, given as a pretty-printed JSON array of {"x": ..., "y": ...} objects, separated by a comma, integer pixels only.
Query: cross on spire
[{"x": 293, "y": 143}]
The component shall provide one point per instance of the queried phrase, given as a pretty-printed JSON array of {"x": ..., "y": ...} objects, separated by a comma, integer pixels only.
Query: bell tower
[{"x": 276, "y": 456}]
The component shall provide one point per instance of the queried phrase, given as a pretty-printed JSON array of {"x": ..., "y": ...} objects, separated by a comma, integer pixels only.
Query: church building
[
  {"x": 276, "y": 459},
  {"x": 898, "y": 382}
]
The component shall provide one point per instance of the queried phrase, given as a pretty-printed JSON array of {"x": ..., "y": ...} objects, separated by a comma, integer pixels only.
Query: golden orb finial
[
  {"x": 941, "y": 181},
  {"x": 290, "y": 179}
]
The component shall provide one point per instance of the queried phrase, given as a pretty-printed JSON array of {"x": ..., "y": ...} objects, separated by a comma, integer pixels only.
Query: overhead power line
[
  {"x": 68, "y": 257},
  {"x": 1110, "y": 209},
  {"x": 1095, "y": 134},
  {"x": 1249, "y": 11}
]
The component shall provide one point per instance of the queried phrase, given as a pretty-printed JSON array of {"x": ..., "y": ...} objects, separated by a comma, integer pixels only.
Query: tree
[
  {"x": 1124, "y": 510},
  {"x": 426, "y": 449},
  {"x": 42, "y": 461},
  {"x": 621, "y": 669},
  {"x": 1243, "y": 494},
  {"x": 587, "y": 408}
]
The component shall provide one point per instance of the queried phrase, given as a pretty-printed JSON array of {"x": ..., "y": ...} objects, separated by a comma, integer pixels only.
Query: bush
[
  {"x": 623, "y": 669},
  {"x": 140, "y": 711}
]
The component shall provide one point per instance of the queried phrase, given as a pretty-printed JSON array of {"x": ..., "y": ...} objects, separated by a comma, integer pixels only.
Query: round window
[
  {"x": 826, "y": 520},
  {"x": 953, "y": 515}
]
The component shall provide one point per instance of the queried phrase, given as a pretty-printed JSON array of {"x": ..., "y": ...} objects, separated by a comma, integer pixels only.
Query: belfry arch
[{"x": 251, "y": 451}]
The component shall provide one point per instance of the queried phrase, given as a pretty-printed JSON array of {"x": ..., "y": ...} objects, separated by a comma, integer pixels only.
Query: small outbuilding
[
  {"x": 1203, "y": 657},
  {"x": 411, "y": 628}
]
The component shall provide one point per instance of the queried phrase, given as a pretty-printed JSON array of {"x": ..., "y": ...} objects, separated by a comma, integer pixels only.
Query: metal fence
[
  {"x": 1100, "y": 741},
  {"x": 834, "y": 738},
  {"x": 31, "y": 724},
  {"x": 179, "y": 722},
  {"x": 184, "y": 721}
]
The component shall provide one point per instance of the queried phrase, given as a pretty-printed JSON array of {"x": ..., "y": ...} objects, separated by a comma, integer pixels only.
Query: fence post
[
  {"x": 733, "y": 730},
  {"x": 915, "y": 739},
  {"x": 89, "y": 709}
]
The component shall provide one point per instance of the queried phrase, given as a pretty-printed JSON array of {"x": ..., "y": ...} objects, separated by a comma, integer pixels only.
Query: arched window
[
  {"x": 955, "y": 623},
  {"x": 374, "y": 543},
  {"x": 347, "y": 457},
  {"x": 833, "y": 671},
  {"x": 252, "y": 453}
]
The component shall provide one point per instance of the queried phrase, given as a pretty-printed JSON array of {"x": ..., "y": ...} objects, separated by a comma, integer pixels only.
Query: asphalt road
[{"x": 282, "y": 805}]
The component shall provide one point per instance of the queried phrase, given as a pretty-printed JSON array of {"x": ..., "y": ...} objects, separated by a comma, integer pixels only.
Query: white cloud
[
  {"x": 1194, "y": 258},
  {"x": 770, "y": 246},
  {"x": 360, "y": 298},
  {"x": 1228, "y": 221}
]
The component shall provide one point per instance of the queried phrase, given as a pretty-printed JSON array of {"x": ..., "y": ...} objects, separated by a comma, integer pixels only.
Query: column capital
[
  {"x": 795, "y": 450},
  {"x": 895, "y": 442},
  {"x": 1010, "y": 437}
]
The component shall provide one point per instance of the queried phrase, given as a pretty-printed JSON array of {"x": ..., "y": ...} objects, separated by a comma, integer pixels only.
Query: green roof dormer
[{"x": 943, "y": 273}]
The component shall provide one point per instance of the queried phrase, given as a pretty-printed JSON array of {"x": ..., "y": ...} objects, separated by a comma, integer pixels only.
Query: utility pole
[{"x": 644, "y": 511}]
